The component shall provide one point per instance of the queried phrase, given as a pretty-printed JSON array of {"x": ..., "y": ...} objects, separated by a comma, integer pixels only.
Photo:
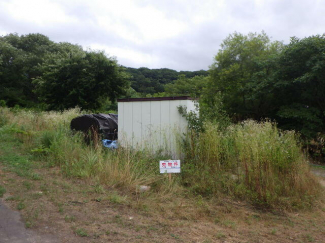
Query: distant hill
[{"x": 150, "y": 81}]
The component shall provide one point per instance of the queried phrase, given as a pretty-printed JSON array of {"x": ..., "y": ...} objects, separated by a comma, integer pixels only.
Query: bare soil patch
[{"x": 12, "y": 229}]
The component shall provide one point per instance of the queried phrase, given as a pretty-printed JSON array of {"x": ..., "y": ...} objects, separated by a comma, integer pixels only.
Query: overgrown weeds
[
  {"x": 51, "y": 140},
  {"x": 252, "y": 161}
]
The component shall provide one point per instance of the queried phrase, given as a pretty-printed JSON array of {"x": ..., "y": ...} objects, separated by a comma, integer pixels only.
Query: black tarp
[{"x": 96, "y": 124}]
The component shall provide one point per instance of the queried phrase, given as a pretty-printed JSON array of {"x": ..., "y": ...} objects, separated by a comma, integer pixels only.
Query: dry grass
[
  {"x": 63, "y": 207},
  {"x": 251, "y": 161},
  {"x": 89, "y": 194}
]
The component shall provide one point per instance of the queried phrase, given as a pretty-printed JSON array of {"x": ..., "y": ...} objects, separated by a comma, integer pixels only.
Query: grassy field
[{"x": 254, "y": 185}]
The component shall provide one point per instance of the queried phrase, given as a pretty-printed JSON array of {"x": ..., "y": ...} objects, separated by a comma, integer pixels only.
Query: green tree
[
  {"x": 299, "y": 85},
  {"x": 187, "y": 86},
  {"x": 34, "y": 69},
  {"x": 12, "y": 79},
  {"x": 151, "y": 82},
  {"x": 73, "y": 77},
  {"x": 20, "y": 56},
  {"x": 241, "y": 73}
]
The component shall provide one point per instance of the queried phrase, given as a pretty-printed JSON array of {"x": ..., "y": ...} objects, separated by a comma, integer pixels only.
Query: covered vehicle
[{"x": 96, "y": 126}]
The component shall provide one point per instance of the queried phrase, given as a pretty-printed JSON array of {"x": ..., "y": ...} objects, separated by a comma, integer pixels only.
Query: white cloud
[
  {"x": 126, "y": 55},
  {"x": 178, "y": 34},
  {"x": 39, "y": 12}
]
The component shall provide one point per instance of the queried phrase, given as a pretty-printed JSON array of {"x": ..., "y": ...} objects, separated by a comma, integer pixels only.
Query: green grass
[
  {"x": 81, "y": 232},
  {"x": 250, "y": 161},
  {"x": 2, "y": 191},
  {"x": 253, "y": 161},
  {"x": 69, "y": 219},
  {"x": 21, "y": 206},
  {"x": 12, "y": 155},
  {"x": 220, "y": 235}
]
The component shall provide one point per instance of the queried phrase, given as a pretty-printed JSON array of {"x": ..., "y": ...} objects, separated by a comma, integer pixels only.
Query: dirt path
[{"x": 12, "y": 229}]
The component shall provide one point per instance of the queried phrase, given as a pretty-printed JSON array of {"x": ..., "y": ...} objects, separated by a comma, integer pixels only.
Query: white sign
[{"x": 170, "y": 166}]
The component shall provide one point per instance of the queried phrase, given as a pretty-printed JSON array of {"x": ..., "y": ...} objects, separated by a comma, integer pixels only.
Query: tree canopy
[
  {"x": 184, "y": 86},
  {"x": 257, "y": 78},
  {"x": 19, "y": 60},
  {"x": 77, "y": 78},
  {"x": 150, "y": 81},
  {"x": 241, "y": 72},
  {"x": 299, "y": 85},
  {"x": 34, "y": 69}
]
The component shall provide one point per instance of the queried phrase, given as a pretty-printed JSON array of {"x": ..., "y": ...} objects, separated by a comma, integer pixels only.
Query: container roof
[{"x": 156, "y": 99}]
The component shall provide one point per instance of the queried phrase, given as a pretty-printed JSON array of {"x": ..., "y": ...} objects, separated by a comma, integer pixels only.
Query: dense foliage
[
  {"x": 151, "y": 81},
  {"x": 187, "y": 86},
  {"x": 19, "y": 60},
  {"x": 259, "y": 79},
  {"x": 242, "y": 71},
  {"x": 299, "y": 85},
  {"x": 84, "y": 78},
  {"x": 35, "y": 70}
]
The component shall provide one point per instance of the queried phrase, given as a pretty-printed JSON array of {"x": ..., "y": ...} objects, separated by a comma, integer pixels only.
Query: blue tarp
[{"x": 112, "y": 144}]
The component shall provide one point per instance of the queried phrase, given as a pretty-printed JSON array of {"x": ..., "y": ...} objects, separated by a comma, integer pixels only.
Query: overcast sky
[{"x": 176, "y": 34}]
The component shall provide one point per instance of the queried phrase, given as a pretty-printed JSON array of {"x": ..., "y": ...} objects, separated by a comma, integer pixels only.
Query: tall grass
[
  {"x": 251, "y": 160},
  {"x": 51, "y": 140},
  {"x": 123, "y": 168}
]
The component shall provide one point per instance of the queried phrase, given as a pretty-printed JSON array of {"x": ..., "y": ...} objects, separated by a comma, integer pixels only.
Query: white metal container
[{"x": 152, "y": 123}]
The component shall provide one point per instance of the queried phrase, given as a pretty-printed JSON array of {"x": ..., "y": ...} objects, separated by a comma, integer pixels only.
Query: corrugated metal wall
[{"x": 152, "y": 124}]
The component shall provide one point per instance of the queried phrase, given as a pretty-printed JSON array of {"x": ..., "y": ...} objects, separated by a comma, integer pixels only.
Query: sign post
[{"x": 169, "y": 167}]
